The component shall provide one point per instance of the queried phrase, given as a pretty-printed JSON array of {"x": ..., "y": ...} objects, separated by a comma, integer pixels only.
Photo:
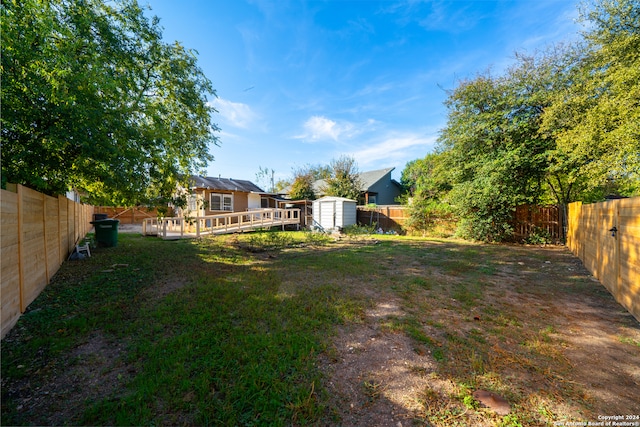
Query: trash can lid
[{"x": 105, "y": 221}]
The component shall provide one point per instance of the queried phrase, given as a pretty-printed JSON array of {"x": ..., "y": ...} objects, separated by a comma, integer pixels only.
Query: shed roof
[
  {"x": 226, "y": 184},
  {"x": 339, "y": 199}
]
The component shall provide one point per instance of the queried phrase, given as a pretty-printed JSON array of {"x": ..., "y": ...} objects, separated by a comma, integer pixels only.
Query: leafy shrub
[
  {"x": 538, "y": 236},
  {"x": 316, "y": 238},
  {"x": 269, "y": 240},
  {"x": 429, "y": 217},
  {"x": 360, "y": 229}
]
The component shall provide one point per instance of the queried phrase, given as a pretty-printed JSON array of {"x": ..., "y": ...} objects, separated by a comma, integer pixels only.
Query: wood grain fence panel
[
  {"x": 390, "y": 217},
  {"x": 133, "y": 215},
  {"x": 530, "y": 219},
  {"x": 574, "y": 241},
  {"x": 32, "y": 245},
  {"x": 63, "y": 226},
  {"x": 52, "y": 236},
  {"x": 38, "y": 232},
  {"x": 71, "y": 225},
  {"x": 10, "y": 263},
  {"x": 607, "y": 245},
  {"x": 613, "y": 258},
  {"x": 589, "y": 224},
  {"x": 629, "y": 269}
]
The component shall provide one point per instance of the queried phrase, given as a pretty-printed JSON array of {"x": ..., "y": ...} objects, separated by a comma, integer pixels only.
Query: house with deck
[
  {"x": 210, "y": 196},
  {"x": 222, "y": 205}
]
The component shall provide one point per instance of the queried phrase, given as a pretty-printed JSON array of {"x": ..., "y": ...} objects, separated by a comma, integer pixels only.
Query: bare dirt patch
[
  {"x": 537, "y": 328},
  {"x": 92, "y": 370},
  {"x": 376, "y": 377}
]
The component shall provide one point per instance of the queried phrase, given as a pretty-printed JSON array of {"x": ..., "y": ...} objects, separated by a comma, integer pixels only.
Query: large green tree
[
  {"x": 344, "y": 180},
  {"x": 495, "y": 158},
  {"x": 561, "y": 125},
  {"x": 93, "y": 99},
  {"x": 595, "y": 120}
]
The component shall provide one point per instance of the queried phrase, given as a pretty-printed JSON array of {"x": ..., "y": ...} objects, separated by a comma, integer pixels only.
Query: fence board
[
  {"x": 52, "y": 233},
  {"x": 10, "y": 263},
  {"x": 32, "y": 260},
  {"x": 613, "y": 260},
  {"x": 530, "y": 219},
  {"x": 390, "y": 217},
  {"x": 133, "y": 215},
  {"x": 38, "y": 232},
  {"x": 63, "y": 227}
]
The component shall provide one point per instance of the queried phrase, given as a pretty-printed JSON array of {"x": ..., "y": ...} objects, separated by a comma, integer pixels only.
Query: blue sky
[{"x": 305, "y": 82}]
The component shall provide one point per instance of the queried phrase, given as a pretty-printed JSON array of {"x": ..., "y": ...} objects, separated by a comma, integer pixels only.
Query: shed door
[{"x": 328, "y": 214}]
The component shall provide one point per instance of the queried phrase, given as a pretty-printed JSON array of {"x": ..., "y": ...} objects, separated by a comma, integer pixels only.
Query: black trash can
[
  {"x": 98, "y": 217},
  {"x": 106, "y": 232}
]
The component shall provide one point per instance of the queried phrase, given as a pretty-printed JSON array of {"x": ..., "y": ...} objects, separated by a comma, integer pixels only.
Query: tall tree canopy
[
  {"x": 560, "y": 125},
  {"x": 93, "y": 99},
  {"x": 344, "y": 180},
  {"x": 595, "y": 120}
]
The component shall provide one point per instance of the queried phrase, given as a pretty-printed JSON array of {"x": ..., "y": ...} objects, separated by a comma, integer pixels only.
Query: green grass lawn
[{"x": 229, "y": 330}]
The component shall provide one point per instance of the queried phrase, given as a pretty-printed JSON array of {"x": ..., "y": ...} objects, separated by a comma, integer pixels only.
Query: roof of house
[
  {"x": 368, "y": 179},
  {"x": 226, "y": 184}
]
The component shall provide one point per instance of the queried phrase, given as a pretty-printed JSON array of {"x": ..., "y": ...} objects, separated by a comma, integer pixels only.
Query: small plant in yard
[
  {"x": 269, "y": 240},
  {"x": 373, "y": 389},
  {"x": 315, "y": 238},
  {"x": 360, "y": 230},
  {"x": 538, "y": 236}
]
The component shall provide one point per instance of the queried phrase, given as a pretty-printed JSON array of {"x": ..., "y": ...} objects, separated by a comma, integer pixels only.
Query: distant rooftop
[{"x": 227, "y": 184}]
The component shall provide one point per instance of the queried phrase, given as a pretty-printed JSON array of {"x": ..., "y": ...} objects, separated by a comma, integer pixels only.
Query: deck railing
[{"x": 180, "y": 227}]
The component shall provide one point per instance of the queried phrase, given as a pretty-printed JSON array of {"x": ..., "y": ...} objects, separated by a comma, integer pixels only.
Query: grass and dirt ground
[{"x": 294, "y": 329}]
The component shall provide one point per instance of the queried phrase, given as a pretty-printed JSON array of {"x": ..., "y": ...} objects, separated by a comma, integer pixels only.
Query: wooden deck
[{"x": 181, "y": 228}]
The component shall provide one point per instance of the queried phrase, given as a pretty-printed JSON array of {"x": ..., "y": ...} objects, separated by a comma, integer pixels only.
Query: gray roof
[
  {"x": 226, "y": 184},
  {"x": 368, "y": 179}
]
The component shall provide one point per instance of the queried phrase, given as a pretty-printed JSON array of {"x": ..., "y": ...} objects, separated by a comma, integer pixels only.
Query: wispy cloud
[
  {"x": 394, "y": 147},
  {"x": 320, "y": 128},
  {"x": 235, "y": 114}
]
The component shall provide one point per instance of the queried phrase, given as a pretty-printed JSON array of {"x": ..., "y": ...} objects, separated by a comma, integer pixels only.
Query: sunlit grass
[{"x": 229, "y": 330}]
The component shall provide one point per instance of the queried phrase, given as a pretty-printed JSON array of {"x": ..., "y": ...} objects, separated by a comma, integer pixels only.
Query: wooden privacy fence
[
  {"x": 606, "y": 237},
  {"x": 133, "y": 215},
  {"x": 389, "y": 217},
  {"x": 38, "y": 233},
  {"x": 534, "y": 219},
  {"x": 527, "y": 219}
]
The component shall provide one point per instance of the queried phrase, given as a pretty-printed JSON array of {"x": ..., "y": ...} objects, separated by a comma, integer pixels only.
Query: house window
[
  {"x": 193, "y": 203},
  {"x": 221, "y": 202},
  {"x": 264, "y": 202}
]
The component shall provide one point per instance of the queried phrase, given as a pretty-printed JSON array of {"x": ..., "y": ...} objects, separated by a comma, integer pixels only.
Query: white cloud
[
  {"x": 319, "y": 128},
  {"x": 235, "y": 114}
]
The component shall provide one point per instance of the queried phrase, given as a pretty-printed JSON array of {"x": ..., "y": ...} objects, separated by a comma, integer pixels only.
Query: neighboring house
[
  {"x": 377, "y": 188},
  {"x": 210, "y": 196}
]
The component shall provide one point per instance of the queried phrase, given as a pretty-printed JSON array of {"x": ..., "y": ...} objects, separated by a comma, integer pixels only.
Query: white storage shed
[{"x": 333, "y": 213}]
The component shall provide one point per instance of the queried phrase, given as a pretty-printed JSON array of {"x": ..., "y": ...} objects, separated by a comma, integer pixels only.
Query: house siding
[{"x": 386, "y": 191}]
